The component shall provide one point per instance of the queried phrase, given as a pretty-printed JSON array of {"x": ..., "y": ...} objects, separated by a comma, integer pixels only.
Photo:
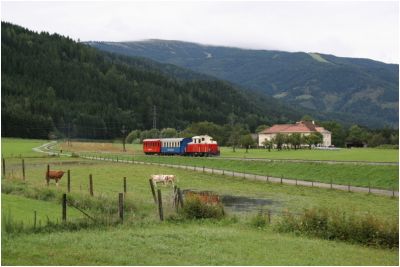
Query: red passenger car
[{"x": 151, "y": 146}]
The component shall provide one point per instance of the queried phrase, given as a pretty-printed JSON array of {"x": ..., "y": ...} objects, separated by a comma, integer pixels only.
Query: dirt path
[{"x": 47, "y": 148}]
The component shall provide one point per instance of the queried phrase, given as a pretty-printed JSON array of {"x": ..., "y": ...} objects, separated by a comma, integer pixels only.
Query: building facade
[{"x": 302, "y": 127}]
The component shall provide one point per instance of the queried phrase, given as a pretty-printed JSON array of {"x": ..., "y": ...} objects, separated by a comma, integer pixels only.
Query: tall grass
[
  {"x": 334, "y": 225},
  {"x": 195, "y": 209},
  {"x": 100, "y": 203}
]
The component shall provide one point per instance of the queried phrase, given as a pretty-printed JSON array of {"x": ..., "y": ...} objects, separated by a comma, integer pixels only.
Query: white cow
[{"x": 163, "y": 178}]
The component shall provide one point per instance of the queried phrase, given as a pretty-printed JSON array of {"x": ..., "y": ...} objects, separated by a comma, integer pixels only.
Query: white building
[{"x": 302, "y": 127}]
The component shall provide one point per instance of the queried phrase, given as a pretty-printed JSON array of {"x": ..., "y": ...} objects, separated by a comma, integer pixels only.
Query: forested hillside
[
  {"x": 52, "y": 84},
  {"x": 359, "y": 91}
]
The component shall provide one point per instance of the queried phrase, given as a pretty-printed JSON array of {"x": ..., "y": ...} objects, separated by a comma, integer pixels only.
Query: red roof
[{"x": 298, "y": 127}]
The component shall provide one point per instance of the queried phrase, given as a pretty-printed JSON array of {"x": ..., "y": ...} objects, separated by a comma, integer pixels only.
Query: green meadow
[{"x": 230, "y": 241}]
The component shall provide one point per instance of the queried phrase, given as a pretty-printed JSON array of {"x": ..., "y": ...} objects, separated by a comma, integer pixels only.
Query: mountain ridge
[{"x": 364, "y": 88}]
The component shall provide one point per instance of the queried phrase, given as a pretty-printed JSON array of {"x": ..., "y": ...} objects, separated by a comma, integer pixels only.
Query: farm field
[{"x": 205, "y": 242}]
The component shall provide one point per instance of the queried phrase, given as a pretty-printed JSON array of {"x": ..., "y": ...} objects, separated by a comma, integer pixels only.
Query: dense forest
[{"x": 53, "y": 86}]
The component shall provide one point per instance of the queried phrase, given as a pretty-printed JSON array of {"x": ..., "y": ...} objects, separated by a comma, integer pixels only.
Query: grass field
[
  {"x": 185, "y": 244},
  {"x": 21, "y": 209},
  {"x": 343, "y": 154},
  {"x": 354, "y": 154},
  {"x": 385, "y": 177},
  {"x": 232, "y": 241},
  {"x": 14, "y": 147}
]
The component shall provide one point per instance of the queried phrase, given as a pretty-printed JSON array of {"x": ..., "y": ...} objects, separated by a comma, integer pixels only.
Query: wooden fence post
[
  {"x": 281, "y": 178},
  {"x": 296, "y": 181},
  {"x": 121, "y": 206},
  {"x": 4, "y": 167},
  {"x": 64, "y": 208},
  {"x": 203, "y": 169},
  {"x": 223, "y": 172},
  {"x": 160, "y": 207},
  {"x": 392, "y": 191},
  {"x": 269, "y": 216},
  {"x": 369, "y": 187},
  {"x": 91, "y": 184},
  {"x": 47, "y": 174},
  {"x": 312, "y": 183},
  {"x": 23, "y": 169},
  {"x": 124, "y": 185},
  {"x": 34, "y": 219},
  {"x": 348, "y": 187},
  {"x": 69, "y": 181},
  {"x": 153, "y": 190},
  {"x": 233, "y": 173},
  {"x": 331, "y": 184},
  {"x": 180, "y": 198}
]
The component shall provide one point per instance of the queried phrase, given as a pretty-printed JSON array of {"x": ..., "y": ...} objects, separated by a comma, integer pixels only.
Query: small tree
[
  {"x": 295, "y": 140},
  {"x": 168, "y": 133},
  {"x": 268, "y": 144},
  {"x": 247, "y": 141},
  {"x": 279, "y": 140}
]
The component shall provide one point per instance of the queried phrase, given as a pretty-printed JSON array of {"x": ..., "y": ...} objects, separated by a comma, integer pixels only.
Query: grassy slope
[
  {"x": 21, "y": 210},
  {"x": 185, "y": 244}
]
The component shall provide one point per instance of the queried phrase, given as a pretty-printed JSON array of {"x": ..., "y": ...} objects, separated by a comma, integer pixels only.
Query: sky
[{"x": 363, "y": 29}]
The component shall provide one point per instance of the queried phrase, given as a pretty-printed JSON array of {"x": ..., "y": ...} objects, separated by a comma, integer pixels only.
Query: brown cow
[
  {"x": 55, "y": 175},
  {"x": 205, "y": 197}
]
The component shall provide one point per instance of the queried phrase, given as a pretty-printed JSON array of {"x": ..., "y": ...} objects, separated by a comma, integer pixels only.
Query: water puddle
[
  {"x": 247, "y": 204},
  {"x": 239, "y": 203}
]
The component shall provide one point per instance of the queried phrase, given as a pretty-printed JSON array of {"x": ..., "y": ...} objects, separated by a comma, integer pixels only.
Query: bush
[
  {"x": 260, "y": 220},
  {"x": 366, "y": 229},
  {"x": 195, "y": 209}
]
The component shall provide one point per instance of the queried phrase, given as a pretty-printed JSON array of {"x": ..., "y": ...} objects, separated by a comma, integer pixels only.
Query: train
[{"x": 202, "y": 145}]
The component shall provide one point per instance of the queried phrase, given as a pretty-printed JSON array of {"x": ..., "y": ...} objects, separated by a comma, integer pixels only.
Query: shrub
[
  {"x": 366, "y": 229},
  {"x": 260, "y": 220},
  {"x": 195, "y": 209}
]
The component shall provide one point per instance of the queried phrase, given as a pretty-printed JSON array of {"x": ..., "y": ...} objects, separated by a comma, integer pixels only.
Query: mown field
[{"x": 231, "y": 241}]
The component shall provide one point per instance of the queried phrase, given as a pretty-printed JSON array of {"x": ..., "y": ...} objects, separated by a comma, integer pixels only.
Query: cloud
[{"x": 353, "y": 29}]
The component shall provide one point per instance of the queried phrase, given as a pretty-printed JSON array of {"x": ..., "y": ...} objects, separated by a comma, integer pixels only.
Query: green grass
[
  {"x": 185, "y": 244},
  {"x": 108, "y": 179},
  {"x": 22, "y": 209},
  {"x": 343, "y": 154},
  {"x": 143, "y": 240},
  {"x": 16, "y": 147},
  {"x": 385, "y": 177}
]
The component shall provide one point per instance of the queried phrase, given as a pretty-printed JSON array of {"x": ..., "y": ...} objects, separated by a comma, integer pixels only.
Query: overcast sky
[{"x": 352, "y": 29}]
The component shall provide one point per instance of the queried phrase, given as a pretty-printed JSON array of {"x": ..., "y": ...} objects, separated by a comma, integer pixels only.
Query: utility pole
[
  {"x": 69, "y": 136},
  {"x": 123, "y": 131},
  {"x": 154, "y": 117}
]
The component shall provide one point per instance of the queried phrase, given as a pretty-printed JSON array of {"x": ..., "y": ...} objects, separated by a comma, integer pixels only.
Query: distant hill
[
  {"x": 51, "y": 84},
  {"x": 360, "y": 91}
]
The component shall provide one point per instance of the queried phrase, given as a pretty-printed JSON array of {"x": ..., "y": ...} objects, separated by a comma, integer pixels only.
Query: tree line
[{"x": 239, "y": 135}]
